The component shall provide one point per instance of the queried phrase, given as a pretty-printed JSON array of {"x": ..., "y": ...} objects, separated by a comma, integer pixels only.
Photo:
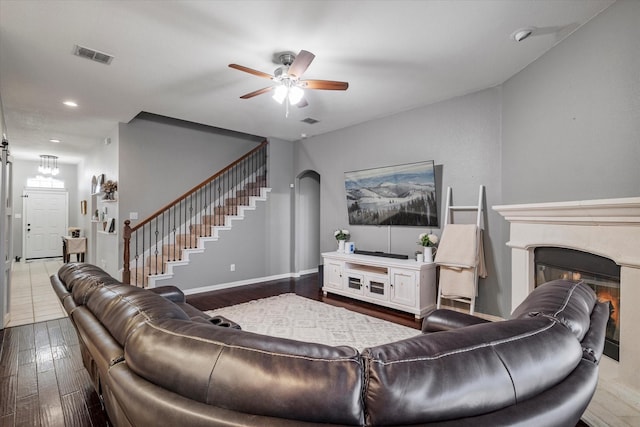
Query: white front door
[{"x": 45, "y": 221}]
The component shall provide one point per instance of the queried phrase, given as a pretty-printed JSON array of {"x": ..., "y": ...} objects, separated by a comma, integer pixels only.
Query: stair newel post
[{"x": 126, "y": 271}]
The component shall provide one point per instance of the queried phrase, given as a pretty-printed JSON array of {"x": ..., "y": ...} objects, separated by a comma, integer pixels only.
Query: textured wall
[
  {"x": 571, "y": 120},
  {"x": 461, "y": 135}
]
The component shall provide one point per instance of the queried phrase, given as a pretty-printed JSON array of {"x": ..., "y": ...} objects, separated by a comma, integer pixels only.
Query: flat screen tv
[{"x": 393, "y": 195}]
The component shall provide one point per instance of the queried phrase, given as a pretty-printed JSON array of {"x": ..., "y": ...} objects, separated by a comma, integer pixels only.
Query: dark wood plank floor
[{"x": 43, "y": 381}]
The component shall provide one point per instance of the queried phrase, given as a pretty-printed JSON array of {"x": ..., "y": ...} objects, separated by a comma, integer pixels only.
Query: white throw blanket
[
  {"x": 459, "y": 248},
  {"x": 458, "y": 282}
]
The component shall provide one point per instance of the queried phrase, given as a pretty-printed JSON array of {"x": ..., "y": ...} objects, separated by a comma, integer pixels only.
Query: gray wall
[
  {"x": 571, "y": 120},
  {"x": 461, "y": 135},
  {"x": 24, "y": 169},
  {"x": 567, "y": 127},
  {"x": 160, "y": 161}
]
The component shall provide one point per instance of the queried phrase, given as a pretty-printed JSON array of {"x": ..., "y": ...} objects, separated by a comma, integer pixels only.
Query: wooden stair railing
[{"x": 161, "y": 237}]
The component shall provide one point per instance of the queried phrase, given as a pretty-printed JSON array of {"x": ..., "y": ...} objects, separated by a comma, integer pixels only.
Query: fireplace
[
  {"x": 607, "y": 228},
  {"x": 600, "y": 273}
]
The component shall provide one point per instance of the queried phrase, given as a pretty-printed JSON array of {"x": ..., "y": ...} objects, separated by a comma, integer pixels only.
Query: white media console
[{"x": 401, "y": 284}]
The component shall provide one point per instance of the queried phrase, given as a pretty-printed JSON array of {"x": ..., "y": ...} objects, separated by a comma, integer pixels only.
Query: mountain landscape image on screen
[{"x": 394, "y": 195}]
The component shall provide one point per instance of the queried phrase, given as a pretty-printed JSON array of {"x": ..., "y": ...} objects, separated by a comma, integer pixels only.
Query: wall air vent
[
  {"x": 94, "y": 55},
  {"x": 310, "y": 121}
]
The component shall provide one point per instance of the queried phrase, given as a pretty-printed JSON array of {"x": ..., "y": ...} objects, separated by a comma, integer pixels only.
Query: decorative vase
[
  {"x": 341, "y": 246},
  {"x": 428, "y": 254}
]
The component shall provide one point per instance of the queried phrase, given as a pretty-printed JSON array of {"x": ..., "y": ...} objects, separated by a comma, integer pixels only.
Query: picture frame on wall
[{"x": 393, "y": 195}]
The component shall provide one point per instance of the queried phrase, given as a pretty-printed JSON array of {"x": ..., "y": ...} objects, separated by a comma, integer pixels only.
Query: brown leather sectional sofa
[{"x": 155, "y": 360}]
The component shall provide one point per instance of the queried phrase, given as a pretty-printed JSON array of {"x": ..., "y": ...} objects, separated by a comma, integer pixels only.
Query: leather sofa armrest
[
  {"x": 593, "y": 341},
  {"x": 444, "y": 320},
  {"x": 169, "y": 292}
]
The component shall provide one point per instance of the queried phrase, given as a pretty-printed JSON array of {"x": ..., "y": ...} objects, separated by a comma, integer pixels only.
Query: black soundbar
[{"x": 382, "y": 254}]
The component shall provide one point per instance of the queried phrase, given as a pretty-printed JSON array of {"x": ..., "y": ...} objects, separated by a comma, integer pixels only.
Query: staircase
[{"x": 165, "y": 240}]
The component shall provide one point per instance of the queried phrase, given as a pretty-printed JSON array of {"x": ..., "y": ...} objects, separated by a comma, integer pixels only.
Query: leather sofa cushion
[
  {"x": 123, "y": 308},
  {"x": 73, "y": 273},
  {"x": 569, "y": 302},
  {"x": 592, "y": 343},
  {"x": 157, "y": 406},
  {"x": 244, "y": 372},
  {"x": 466, "y": 372},
  {"x": 444, "y": 320}
]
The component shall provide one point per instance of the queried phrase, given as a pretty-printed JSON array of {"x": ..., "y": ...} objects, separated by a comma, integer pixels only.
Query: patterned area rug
[{"x": 303, "y": 319}]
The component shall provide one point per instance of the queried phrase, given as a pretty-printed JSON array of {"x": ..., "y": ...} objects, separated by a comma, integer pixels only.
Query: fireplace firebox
[{"x": 600, "y": 273}]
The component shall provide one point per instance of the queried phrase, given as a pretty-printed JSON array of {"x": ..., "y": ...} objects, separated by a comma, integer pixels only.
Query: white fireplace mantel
[
  {"x": 607, "y": 227},
  {"x": 595, "y": 212}
]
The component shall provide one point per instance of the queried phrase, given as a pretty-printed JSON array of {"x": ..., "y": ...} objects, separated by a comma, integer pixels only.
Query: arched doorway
[{"x": 307, "y": 232}]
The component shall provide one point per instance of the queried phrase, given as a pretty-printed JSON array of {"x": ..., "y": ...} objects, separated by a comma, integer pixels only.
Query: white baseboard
[
  {"x": 305, "y": 272},
  {"x": 228, "y": 285}
]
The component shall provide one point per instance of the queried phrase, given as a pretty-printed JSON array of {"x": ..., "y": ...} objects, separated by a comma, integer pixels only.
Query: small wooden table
[{"x": 73, "y": 245}]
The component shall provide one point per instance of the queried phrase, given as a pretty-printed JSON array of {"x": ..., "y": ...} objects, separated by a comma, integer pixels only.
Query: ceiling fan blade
[
  {"x": 324, "y": 84},
  {"x": 257, "y": 92},
  {"x": 301, "y": 63},
  {"x": 251, "y": 71}
]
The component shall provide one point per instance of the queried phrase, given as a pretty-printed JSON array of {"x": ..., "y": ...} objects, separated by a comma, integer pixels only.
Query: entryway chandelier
[{"x": 48, "y": 165}]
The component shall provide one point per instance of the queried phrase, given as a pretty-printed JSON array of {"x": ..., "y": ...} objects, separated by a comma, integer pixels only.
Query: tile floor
[{"x": 32, "y": 298}]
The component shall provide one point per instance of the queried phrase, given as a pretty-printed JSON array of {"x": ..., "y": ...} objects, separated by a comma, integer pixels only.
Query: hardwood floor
[{"x": 42, "y": 379}]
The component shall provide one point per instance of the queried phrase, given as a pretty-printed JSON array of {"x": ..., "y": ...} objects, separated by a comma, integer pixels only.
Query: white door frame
[{"x": 25, "y": 214}]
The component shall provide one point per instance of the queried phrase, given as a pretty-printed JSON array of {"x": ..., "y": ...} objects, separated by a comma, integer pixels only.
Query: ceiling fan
[{"x": 289, "y": 84}]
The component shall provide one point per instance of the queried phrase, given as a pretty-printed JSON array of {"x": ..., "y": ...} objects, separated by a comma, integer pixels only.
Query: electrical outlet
[{"x": 232, "y": 267}]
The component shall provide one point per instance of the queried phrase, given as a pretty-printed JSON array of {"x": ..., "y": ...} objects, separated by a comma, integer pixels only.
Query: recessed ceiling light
[
  {"x": 70, "y": 103},
  {"x": 521, "y": 34},
  {"x": 55, "y": 141}
]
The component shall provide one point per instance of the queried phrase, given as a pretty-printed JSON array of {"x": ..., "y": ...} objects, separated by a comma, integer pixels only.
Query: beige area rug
[{"x": 295, "y": 317}]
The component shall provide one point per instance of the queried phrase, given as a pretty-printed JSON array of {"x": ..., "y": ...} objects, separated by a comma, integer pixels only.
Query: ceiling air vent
[
  {"x": 310, "y": 121},
  {"x": 94, "y": 55}
]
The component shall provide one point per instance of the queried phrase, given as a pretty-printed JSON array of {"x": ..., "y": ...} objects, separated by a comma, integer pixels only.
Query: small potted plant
[
  {"x": 429, "y": 242},
  {"x": 341, "y": 236}
]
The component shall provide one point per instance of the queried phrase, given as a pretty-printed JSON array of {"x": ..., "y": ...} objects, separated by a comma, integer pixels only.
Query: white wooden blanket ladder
[{"x": 478, "y": 209}]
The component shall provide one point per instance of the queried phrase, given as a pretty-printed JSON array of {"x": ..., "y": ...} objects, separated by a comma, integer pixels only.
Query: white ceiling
[{"x": 171, "y": 59}]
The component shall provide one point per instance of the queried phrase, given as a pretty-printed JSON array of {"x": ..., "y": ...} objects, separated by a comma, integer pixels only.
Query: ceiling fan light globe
[
  {"x": 280, "y": 94},
  {"x": 295, "y": 95}
]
